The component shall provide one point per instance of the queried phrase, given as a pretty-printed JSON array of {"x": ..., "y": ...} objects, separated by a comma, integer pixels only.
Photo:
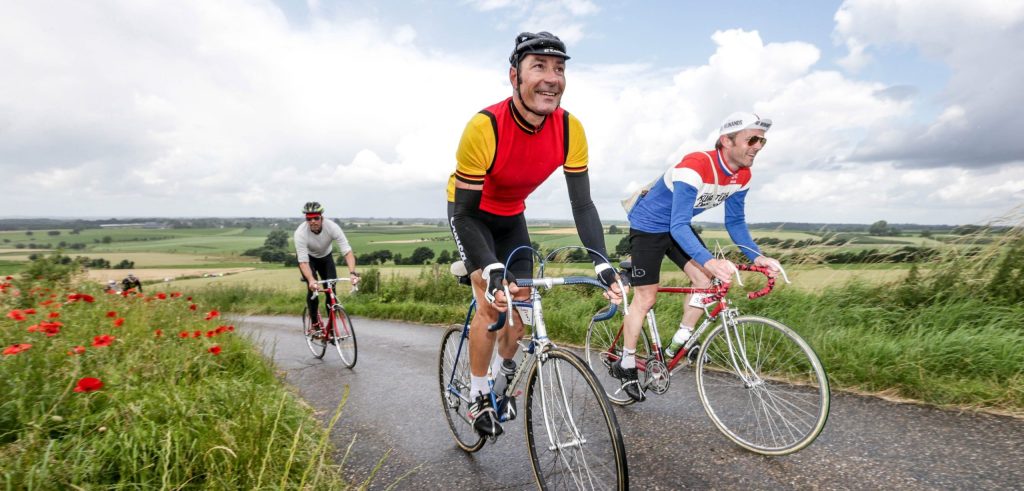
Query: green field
[{"x": 218, "y": 249}]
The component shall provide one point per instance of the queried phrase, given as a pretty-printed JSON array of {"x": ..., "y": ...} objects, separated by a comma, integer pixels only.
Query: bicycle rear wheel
[
  {"x": 571, "y": 430},
  {"x": 453, "y": 375},
  {"x": 314, "y": 337},
  {"x": 604, "y": 346},
  {"x": 762, "y": 386},
  {"x": 344, "y": 336}
]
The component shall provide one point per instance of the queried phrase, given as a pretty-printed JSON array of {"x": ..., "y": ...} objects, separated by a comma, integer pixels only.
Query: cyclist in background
[
  {"x": 313, "y": 240},
  {"x": 506, "y": 151},
  {"x": 131, "y": 282},
  {"x": 660, "y": 226}
]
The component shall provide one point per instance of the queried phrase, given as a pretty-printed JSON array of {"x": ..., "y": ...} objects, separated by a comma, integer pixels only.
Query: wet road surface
[{"x": 394, "y": 413}]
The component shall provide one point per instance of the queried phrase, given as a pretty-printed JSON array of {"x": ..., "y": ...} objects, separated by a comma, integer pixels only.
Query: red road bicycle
[
  {"x": 337, "y": 331},
  {"x": 760, "y": 383}
]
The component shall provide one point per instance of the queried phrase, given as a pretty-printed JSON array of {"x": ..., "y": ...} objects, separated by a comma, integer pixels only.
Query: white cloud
[
  {"x": 976, "y": 41},
  {"x": 198, "y": 108}
]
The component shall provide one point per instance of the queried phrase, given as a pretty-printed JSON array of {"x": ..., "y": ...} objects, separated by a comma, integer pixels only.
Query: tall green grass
[
  {"x": 951, "y": 333},
  {"x": 185, "y": 402}
]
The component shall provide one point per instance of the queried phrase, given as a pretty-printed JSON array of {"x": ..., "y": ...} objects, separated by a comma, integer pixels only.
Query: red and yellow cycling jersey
[{"x": 510, "y": 157}]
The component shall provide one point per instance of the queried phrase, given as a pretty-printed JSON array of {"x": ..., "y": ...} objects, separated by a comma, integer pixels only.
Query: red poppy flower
[
  {"x": 50, "y": 328},
  {"x": 103, "y": 340},
  {"x": 29, "y": 311},
  {"x": 215, "y": 349},
  {"x": 88, "y": 384},
  {"x": 211, "y": 314},
  {"x": 16, "y": 348},
  {"x": 175, "y": 294},
  {"x": 53, "y": 315},
  {"x": 231, "y": 328},
  {"x": 111, "y": 314},
  {"x": 189, "y": 299},
  {"x": 119, "y": 322},
  {"x": 210, "y": 334},
  {"x": 16, "y": 314},
  {"x": 9, "y": 278},
  {"x": 221, "y": 329},
  {"x": 192, "y": 307},
  {"x": 158, "y": 332},
  {"x": 161, "y": 296},
  {"x": 77, "y": 350},
  {"x": 183, "y": 334},
  {"x": 197, "y": 334}
]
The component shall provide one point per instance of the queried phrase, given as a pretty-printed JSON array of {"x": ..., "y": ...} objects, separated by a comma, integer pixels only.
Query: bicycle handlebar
[
  {"x": 550, "y": 283},
  {"x": 724, "y": 289},
  {"x": 335, "y": 280}
]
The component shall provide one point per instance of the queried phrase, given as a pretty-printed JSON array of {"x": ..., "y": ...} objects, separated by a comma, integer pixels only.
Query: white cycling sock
[
  {"x": 478, "y": 386},
  {"x": 628, "y": 358}
]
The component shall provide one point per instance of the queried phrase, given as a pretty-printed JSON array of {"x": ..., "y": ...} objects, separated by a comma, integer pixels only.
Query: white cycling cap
[{"x": 741, "y": 121}]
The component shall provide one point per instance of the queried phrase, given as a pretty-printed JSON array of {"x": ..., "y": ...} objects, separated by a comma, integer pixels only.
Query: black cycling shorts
[
  {"x": 649, "y": 249},
  {"x": 503, "y": 235}
]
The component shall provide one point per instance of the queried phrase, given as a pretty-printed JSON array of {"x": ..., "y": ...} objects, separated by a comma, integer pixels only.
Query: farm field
[{"x": 176, "y": 253}]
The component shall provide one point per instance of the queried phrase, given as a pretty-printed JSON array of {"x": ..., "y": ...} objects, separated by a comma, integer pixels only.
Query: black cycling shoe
[
  {"x": 507, "y": 407},
  {"x": 485, "y": 420},
  {"x": 628, "y": 377}
]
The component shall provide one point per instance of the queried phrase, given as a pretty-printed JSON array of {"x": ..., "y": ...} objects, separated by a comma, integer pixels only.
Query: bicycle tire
[
  {"x": 784, "y": 405},
  {"x": 314, "y": 339},
  {"x": 455, "y": 399},
  {"x": 571, "y": 429},
  {"x": 344, "y": 336},
  {"x": 600, "y": 354}
]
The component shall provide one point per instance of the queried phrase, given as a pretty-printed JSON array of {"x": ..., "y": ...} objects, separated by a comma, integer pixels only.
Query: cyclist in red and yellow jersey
[{"x": 508, "y": 150}]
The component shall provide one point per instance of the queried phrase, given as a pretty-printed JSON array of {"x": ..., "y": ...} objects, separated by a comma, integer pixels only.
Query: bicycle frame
[
  {"x": 332, "y": 299},
  {"x": 723, "y": 310},
  {"x": 537, "y": 344}
]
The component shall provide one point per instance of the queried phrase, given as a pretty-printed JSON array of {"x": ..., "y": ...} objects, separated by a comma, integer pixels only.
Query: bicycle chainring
[{"x": 658, "y": 377}]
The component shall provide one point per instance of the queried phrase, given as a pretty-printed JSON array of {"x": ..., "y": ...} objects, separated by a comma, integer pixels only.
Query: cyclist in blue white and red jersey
[
  {"x": 507, "y": 150},
  {"x": 660, "y": 226}
]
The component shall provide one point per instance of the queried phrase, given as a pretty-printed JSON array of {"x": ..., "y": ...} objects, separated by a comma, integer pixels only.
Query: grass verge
[{"x": 145, "y": 392}]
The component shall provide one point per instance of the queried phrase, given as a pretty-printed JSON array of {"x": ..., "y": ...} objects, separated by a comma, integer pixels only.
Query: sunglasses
[
  {"x": 755, "y": 139},
  {"x": 313, "y": 219}
]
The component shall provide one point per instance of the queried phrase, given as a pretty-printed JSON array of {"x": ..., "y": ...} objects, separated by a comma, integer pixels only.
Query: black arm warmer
[
  {"x": 588, "y": 223},
  {"x": 469, "y": 229}
]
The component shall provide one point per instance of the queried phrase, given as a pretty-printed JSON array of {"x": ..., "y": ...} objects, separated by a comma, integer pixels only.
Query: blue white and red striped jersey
[{"x": 699, "y": 182}]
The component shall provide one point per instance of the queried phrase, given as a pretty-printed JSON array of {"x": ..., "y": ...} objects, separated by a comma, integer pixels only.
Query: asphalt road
[{"x": 394, "y": 417}]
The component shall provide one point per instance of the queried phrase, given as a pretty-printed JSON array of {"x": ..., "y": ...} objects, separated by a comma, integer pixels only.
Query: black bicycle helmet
[
  {"x": 312, "y": 207},
  {"x": 542, "y": 43}
]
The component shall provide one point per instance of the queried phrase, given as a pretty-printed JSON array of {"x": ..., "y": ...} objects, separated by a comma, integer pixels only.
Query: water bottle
[
  {"x": 678, "y": 340},
  {"x": 504, "y": 376}
]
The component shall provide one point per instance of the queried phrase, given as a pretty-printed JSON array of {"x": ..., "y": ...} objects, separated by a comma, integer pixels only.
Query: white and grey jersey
[{"x": 319, "y": 245}]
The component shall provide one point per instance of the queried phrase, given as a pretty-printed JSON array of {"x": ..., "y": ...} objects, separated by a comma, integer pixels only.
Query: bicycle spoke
[
  {"x": 574, "y": 440},
  {"x": 753, "y": 383}
]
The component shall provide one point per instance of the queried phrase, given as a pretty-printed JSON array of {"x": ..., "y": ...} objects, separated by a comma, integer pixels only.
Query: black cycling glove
[
  {"x": 605, "y": 273},
  {"x": 495, "y": 273}
]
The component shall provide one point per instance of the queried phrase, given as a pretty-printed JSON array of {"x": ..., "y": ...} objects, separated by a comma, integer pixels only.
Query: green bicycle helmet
[{"x": 312, "y": 207}]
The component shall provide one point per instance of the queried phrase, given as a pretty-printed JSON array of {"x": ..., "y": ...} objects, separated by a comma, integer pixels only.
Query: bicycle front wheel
[
  {"x": 571, "y": 430},
  {"x": 314, "y": 337},
  {"x": 762, "y": 385},
  {"x": 344, "y": 336},
  {"x": 453, "y": 375},
  {"x": 604, "y": 347}
]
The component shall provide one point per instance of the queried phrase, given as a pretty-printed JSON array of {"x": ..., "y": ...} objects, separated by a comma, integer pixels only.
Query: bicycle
[
  {"x": 338, "y": 329},
  {"x": 760, "y": 383},
  {"x": 572, "y": 433}
]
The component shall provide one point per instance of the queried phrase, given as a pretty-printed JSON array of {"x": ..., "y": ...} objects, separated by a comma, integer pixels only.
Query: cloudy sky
[{"x": 905, "y": 111}]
